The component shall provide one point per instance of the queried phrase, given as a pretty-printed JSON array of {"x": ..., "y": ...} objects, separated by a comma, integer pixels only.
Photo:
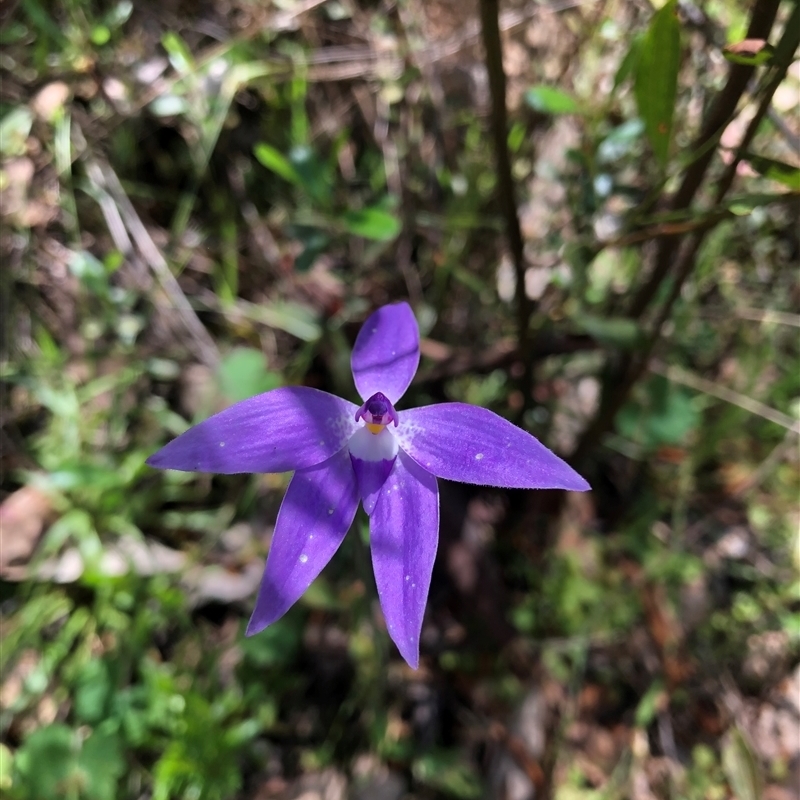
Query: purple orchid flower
[{"x": 388, "y": 460}]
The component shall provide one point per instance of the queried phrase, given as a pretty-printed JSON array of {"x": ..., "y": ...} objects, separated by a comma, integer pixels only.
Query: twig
[
  {"x": 685, "y": 378},
  {"x": 104, "y": 177}
]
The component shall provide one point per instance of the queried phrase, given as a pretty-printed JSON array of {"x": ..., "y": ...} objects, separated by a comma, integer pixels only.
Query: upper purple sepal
[
  {"x": 288, "y": 428},
  {"x": 386, "y": 353},
  {"x": 460, "y": 442}
]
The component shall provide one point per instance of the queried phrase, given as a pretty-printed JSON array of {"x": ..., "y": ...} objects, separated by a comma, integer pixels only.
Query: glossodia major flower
[{"x": 386, "y": 459}]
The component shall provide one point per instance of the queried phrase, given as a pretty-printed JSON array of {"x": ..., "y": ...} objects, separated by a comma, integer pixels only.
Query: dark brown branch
[{"x": 490, "y": 32}]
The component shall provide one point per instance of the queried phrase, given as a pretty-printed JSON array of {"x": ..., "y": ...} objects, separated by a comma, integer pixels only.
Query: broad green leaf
[
  {"x": 243, "y": 373},
  {"x": 372, "y": 223},
  {"x": 548, "y": 100},
  {"x": 775, "y": 170},
  {"x": 45, "y": 761},
  {"x": 277, "y": 162},
  {"x": 656, "y": 78}
]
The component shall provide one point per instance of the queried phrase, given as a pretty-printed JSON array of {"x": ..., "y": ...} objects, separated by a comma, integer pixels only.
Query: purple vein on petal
[
  {"x": 404, "y": 534},
  {"x": 470, "y": 444},
  {"x": 289, "y": 428},
  {"x": 315, "y": 515},
  {"x": 386, "y": 353}
]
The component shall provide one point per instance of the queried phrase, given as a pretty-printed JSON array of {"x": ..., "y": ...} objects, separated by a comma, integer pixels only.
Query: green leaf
[
  {"x": 741, "y": 766},
  {"x": 656, "y": 78},
  {"x": 620, "y": 141},
  {"x": 750, "y": 52},
  {"x": 548, "y": 100},
  {"x": 775, "y": 170},
  {"x": 45, "y": 761},
  {"x": 660, "y": 413},
  {"x": 277, "y": 162},
  {"x": 615, "y": 331},
  {"x": 14, "y": 130},
  {"x": 372, "y": 223},
  {"x": 628, "y": 64},
  {"x": 243, "y": 373},
  {"x": 178, "y": 53},
  {"x": 6, "y": 768},
  {"x": 449, "y": 773},
  {"x": 92, "y": 692}
]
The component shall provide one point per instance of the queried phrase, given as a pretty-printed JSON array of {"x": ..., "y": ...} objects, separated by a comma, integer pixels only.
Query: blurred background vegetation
[{"x": 202, "y": 201}]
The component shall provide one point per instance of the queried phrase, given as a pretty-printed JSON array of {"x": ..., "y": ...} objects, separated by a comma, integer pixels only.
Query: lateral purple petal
[
  {"x": 466, "y": 443},
  {"x": 289, "y": 428},
  {"x": 386, "y": 353},
  {"x": 404, "y": 533},
  {"x": 315, "y": 515}
]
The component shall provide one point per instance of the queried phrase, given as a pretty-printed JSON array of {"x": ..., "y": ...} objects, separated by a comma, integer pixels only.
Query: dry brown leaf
[{"x": 23, "y": 518}]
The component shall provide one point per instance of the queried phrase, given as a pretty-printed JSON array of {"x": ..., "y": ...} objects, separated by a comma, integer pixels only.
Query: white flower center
[{"x": 373, "y": 446}]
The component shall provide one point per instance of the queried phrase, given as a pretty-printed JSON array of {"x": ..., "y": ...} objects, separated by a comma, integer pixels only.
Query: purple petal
[
  {"x": 315, "y": 515},
  {"x": 386, "y": 353},
  {"x": 289, "y": 428},
  {"x": 404, "y": 532},
  {"x": 466, "y": 443}
]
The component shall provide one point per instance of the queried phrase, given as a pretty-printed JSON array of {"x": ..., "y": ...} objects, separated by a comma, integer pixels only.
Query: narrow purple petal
[
  {"x": 315, "y": 515},
  {"x": 466, "y": 443},
  {"x": 370, "y": 476},
  {"x": 404, "y": 533},
  {"x": 289, "y": 428},
  {"x": 386, "y": 353}
]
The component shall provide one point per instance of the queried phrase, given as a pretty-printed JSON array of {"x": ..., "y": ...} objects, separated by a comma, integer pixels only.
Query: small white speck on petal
[
  {"x": 303, "y": 558},
  {"x": 478, "y": 456},
  {"x": 330, "y": 511},
  {"x": 408, "y": 577},
  {"x": 222, "y": 444}
]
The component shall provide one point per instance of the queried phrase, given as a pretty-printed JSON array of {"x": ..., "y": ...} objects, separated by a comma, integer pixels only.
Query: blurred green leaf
[
  {"x": 548, "y": 100},
  {"x": 178, "y": 53},
  {"x": 243, "y": 373},
  {"x": 6, "y": 768},
  {"x": 448, "y": 772},
  {"x": 660, "y": 413},
  {"x": 620, "y": 141},
  {"x": 656, "y": 78},
  {"x": 741, "y": 766},
  {"x": 628, "y": 64},
  {"x": 616, "y": 331},
  {"x": 276, "y": 645},
  {"x": 92, "y": 691},
  {"x": 272, "y": 159},
  {"x": 775, "y": 170},
  {"x": 169, "y": 105},
  {"x": 372, "y": 223},
  {"x": 14, "y": 130},
  {"x": 750, "y": 52}
]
